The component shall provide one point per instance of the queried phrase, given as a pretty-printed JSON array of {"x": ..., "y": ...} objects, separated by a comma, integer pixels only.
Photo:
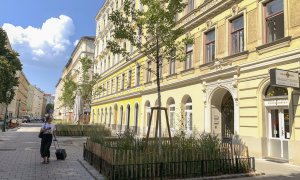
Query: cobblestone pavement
[{"x": 20, "y": 158}]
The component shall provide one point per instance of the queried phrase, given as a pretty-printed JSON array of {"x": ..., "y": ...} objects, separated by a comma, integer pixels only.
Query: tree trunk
[{"x": 159, "y": 96}]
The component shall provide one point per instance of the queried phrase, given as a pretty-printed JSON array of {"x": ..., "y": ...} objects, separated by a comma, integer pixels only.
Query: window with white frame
[
  {"x": 189, "y": 115},
  {"x": 148, "y": 77},
  {"x": 108, "y": 62},
  {"x": 104, "y": 65},
  {"x": 172, "y": 115},
  {"x": 189, "y": 57},
  {"x": 107, "y": 83},
  {"x": 210, "y": 46},
  {"x": 172, "y": 67},
  {"x": 137, "y": 75},
  {"x": 274, "y": 20},
  {"x": 237, "y": 35}
]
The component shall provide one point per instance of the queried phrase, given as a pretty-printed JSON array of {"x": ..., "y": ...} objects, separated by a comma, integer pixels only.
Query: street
[{"x": 20, "y": 157}]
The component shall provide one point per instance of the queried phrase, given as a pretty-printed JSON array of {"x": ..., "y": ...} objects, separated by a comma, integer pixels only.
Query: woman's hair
[{"x": 48, "y": 118}]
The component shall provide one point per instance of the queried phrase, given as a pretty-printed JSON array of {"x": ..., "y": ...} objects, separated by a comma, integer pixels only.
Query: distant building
[
  {"x": 38, "y": 100},
  {"x": 73, "y": 70}
]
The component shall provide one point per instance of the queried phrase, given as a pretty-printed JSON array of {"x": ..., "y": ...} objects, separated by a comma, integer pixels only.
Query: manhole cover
[{"x": 7, "y": 149}]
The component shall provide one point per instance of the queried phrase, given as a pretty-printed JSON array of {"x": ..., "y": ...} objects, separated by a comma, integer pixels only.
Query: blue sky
[{"x": 44, "y": 33}]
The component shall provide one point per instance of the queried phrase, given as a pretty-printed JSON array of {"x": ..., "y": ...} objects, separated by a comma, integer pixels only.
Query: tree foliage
[
  {"x": 87, "y": 82},
  {"x": 84, "y": 86},
  {"x": 9, "y": 65},
  {"x": 69, "y": 93},
  {"x": 152, "y": 30},
  {"x": 49, "y": 108}
]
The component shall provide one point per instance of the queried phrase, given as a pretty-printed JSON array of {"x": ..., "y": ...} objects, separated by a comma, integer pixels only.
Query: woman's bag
[{"x": 40, "y": 134}]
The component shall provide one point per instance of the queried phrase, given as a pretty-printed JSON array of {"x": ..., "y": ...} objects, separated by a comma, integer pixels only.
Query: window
[
  {"x": 172, "y": 63},
  {"x": 274, "y": 20},
  {"x": 122, "y": 81},
  {"x": 160, "y": 67},
  {"x": 104, "y": 65},
  {"x": 210, "y": 46},
  {"x": 148, "y": 72},
  {"x": 110, "y": 113},
  {"x": 124, "y": 45},
  {"x": 111, "y": 86},
  {"x": 107, "y": 87},
  {"x": 128, "y": 116},
  {"x": 117, "y": 84},
  {"x": 189, "y": 115},
  {"x": 129, "y": 79},
  {"x": 189, "y": 57},
  {"x": 191, "y": 5},
  {"x": 137, "y": 75},
  {"x": 131, "y": 48},
  {"x": 121, "y": 117},
  {"x": 108, "y": 62},
  {"x": 104, "y": 20},
  {"x": 172, "y": 114},
  {"x": 136, "y": 117},
  {"x": 237, "y": 35}
]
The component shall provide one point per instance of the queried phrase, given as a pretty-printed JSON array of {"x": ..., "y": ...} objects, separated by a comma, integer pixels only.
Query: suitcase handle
[{"x": 55, "y": 140}]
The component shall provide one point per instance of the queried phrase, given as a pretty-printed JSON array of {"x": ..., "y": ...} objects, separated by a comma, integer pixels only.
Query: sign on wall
[{"x": 284, "y": 78}]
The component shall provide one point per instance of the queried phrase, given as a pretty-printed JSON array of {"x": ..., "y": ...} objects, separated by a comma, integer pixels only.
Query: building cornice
[{"x": 119, "y": 98}]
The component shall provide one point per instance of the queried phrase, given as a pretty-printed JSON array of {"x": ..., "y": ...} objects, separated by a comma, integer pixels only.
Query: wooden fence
[{"x": 136, "y": 162}]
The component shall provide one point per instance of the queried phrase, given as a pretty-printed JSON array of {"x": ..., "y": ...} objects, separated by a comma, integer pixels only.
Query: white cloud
[
  {"x": 50, "y": 39},
  {"x": 76, "y": 42}
]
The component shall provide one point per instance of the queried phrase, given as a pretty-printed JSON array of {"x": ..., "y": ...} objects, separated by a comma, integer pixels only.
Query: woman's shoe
[{"x": 47, "y": 161}]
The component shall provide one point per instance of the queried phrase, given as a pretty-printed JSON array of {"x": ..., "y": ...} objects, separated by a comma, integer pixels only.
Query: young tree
[
  {"x": 68, "y": 95},
  {"x": 156, "y": 25},
  {"x": 84, "y": 86},
  {"x": 9, "y": 65}
]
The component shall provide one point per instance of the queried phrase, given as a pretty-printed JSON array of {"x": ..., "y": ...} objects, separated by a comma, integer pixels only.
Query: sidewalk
[{"x": 20, "y": 157}]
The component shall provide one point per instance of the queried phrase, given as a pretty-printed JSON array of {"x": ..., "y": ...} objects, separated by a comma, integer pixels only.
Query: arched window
[
  {"x": 110, "y": 114},
  {"x": 121, "y": 117},
  {"x": 276, "y": 91},
  {"x": 147, "y": 113},
  {"x": 105, "y": 115},
  {"x": 101, "y": 115},
  {"x": 128, "y": 116},
  {"x": 136, "y": 116},
  {"x": 98, "y": 116},
  {"x": 171, "y": 107},
  {"x": 189, "y": 114}
]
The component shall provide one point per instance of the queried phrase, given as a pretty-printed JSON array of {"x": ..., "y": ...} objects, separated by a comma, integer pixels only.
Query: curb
[
  {"x": 91, "y": 170},
  {"x": 230, "y": 176}
]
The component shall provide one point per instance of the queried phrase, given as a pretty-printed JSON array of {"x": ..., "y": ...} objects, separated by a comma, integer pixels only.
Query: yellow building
[{"x": 224, "y": 85}]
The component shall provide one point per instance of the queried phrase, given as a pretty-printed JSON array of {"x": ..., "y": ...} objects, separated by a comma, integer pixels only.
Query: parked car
[{"x": 25, "y": 119}]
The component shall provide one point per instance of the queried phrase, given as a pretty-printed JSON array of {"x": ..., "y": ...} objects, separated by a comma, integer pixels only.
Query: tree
[
  {"x": 49, "y": 108},
  {"x": 156, "y": 24},
  {"x": 85, "y": 86},
  {"x": 68, "y": 95},
  {"x": 9, "y": 65}
]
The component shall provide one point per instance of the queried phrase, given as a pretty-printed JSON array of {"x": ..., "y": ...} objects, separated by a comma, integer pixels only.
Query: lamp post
[
  {"x": 19, "y": 103},
  {"x": 5, "y": 118}
]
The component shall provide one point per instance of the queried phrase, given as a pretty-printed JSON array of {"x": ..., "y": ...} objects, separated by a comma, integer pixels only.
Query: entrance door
[
  {"x": 279, "y": 132},
  {"x": 227, "y": 110}
]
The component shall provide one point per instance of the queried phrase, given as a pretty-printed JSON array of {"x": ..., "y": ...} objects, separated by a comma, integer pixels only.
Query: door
[{"x": 279, "y": 132}]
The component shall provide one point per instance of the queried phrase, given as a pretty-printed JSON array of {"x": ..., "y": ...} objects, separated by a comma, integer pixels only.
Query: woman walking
[{"x": 47, "y": 129}]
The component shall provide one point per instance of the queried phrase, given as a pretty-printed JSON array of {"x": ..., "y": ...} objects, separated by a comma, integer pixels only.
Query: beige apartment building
[
  {"x": 73, "y": 70},
  {"x": 223, "y": 87},
  {"x": 37, "y": 103}
]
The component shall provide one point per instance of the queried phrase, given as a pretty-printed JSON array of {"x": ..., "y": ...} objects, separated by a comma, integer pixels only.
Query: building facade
[
  {"x": 73, "y": 70},
  {"x": 223, "y": 87},
  {"x": 37, "y": 104}
]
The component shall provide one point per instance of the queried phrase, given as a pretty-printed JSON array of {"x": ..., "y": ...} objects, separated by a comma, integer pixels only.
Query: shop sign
[
  {"x": 284, "y": 78},
  {"x": 279, "y": 102}
]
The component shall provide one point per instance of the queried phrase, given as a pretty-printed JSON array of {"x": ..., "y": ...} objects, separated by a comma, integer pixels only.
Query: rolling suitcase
[{"x": 61, "y": 154}]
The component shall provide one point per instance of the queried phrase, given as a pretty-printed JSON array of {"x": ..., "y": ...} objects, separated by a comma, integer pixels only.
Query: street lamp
[
  {"x": 5, "y": 118},
  {"x": 19, "y": 103}
]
